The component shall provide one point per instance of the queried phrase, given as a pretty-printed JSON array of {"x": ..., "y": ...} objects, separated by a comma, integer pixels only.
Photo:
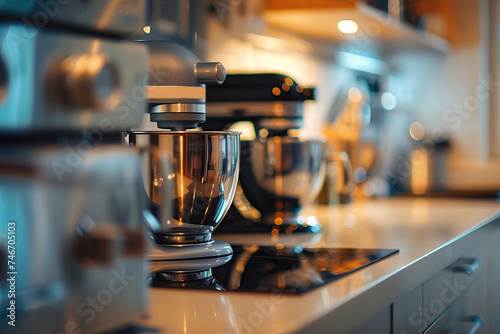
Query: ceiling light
[{"x": 347, "y": 26}]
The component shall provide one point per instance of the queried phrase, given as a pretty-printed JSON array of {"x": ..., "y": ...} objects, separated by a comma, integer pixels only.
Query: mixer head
[
  {"x": 271, "y": 101},
  {"x": 176, "y": 87}
]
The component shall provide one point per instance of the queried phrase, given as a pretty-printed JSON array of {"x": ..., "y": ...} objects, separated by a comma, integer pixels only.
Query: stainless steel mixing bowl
[
  {"x": 279, "y": 175},
  {"x": 201, "y": 177}
]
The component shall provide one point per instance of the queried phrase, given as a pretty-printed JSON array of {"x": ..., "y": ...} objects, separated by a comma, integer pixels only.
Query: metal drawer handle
[
  {"x": 466, "y": 265},
  {"x": 477, "y": 322}
]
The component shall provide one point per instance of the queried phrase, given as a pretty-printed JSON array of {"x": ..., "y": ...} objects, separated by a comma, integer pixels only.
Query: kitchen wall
[
  {"x": 246, "y": 45},
  {"x": 451, "y": 94},
  {"x": 456, "y": 94}
]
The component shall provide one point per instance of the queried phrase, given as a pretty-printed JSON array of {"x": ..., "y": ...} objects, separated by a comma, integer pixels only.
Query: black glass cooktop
[{"x": 289, "y": 270}]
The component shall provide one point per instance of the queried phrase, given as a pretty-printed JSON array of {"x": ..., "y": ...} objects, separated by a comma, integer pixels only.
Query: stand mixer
[
  {"x": 70, "y": 211},
  {"x": 189, "y": 177},
  {"x": 279, "y": 172}
]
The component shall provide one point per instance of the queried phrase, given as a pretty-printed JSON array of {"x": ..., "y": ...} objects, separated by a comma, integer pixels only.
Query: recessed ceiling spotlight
[{"x": 347, "y": 26}]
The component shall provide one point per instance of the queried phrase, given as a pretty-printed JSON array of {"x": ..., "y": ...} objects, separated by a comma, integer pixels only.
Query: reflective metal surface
[
  {"x": 278, "y": 176},
  {"x": 189, "y": 281},
  {"x": 184, "y": 235},
  {"x": 56, "y": 81},
  {"x": 179, "y": 108},
  {"x": 203, "y": 178},
  {"x": 182, "y": 276}
]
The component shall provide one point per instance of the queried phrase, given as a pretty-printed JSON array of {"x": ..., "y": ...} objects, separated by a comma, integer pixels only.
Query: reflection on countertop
[{"x": 409, "y": 224}]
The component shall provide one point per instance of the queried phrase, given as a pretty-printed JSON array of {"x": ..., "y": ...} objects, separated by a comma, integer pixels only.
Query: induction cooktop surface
[{"x": 296, "y": 270}]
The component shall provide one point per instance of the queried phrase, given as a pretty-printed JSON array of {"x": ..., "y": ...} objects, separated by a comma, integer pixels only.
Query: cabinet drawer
[
  {"x": 470, "y": 313},
  {"x": 442, "y": 290}
]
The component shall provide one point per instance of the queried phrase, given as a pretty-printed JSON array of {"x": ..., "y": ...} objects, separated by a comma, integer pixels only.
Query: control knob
[{"x": 210, "y": 72}]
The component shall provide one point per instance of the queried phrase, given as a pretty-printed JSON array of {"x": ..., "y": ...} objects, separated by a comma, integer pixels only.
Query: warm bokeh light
[
  {"x": 246, "y": 128},
  {"x": 417, "y": 131},
  {"x": 263, "y": 133},
  {"x": 347, "y": 26},
  {"x": 147, "y": 29},
  {"x": 419, "y": 173},
  {"x": 355, "y": 95}
]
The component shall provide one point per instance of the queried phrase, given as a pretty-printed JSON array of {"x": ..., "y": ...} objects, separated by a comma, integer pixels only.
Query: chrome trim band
[{"x": 178, "y": 108}]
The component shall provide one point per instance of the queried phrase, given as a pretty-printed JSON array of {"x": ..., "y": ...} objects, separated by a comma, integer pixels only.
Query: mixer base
[{"x": 205, "y": 250}]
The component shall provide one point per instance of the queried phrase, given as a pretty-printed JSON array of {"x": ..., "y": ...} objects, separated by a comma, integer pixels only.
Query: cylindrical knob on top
[
  {"x": 210, "y": 72},
  {"x": 90, "y": 81}
]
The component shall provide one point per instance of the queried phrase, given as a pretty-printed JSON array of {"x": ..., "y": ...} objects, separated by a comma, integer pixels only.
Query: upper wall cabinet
[{"x": 390, "y": 24}]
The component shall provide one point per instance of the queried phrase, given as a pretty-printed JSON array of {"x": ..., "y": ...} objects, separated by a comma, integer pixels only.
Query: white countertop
[{"x": 415, "y": 226}]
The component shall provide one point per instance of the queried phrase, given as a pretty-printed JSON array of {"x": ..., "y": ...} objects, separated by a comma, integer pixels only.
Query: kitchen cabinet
[
  {"x": 463, "y": 296},
  {"x": 494, "y": 281},
  {"x": 318, "y": 19},
  {"x": 446, "y": 287},
  {"x": 432, "y": 236},
  {"x": 468, "y": 315}
]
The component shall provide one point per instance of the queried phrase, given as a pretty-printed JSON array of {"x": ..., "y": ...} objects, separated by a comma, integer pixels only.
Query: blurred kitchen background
[{"x": 408, "y": 88}]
